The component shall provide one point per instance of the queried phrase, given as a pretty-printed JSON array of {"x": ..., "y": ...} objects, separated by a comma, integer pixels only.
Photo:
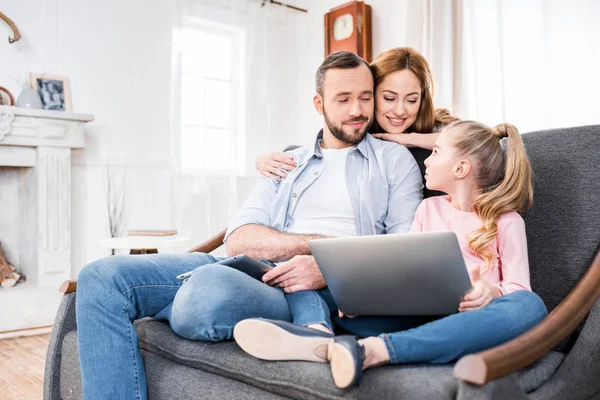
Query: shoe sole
[
  {"x": 342, "y": 366},
  {"x": 267, "y": 341}
]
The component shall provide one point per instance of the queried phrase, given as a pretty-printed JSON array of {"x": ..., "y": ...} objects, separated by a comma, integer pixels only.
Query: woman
[{"x": 404, "y": 109}]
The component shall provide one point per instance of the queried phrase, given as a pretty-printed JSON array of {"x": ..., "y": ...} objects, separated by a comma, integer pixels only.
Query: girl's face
[
  {"x": 397, "y": 101},
  {"x": 441, "y": 164}
]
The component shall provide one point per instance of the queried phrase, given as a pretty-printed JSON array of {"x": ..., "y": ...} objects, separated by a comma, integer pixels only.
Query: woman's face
[{"x": 397, "y": 101}]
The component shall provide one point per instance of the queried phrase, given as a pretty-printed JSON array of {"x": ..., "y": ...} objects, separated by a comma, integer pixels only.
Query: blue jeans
[
  {"x": 115, "y": 291},
  {"x": 446, "y": 339}
]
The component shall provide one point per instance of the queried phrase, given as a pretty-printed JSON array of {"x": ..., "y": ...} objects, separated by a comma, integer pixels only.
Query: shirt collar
[{"x": 361, "y": 147}]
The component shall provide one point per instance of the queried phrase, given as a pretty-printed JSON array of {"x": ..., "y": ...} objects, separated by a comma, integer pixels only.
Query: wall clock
[{"x": 348, "y": 27}]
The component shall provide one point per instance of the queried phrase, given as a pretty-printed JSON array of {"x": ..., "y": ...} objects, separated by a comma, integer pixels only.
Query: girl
[{"x": 487, "y": 187}]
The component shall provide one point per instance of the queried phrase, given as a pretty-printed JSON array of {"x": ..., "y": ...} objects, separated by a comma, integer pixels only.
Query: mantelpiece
[{"x": 35, "y": 199}]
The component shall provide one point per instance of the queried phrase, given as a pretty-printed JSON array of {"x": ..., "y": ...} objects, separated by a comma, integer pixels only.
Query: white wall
[
  {"x": 118, "y": 58},
  {"x": 117, "y": 55}
]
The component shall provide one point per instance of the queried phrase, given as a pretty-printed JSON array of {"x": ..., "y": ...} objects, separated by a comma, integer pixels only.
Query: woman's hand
[
  {"x": 272, "y": 164},
  {"x": 480, "y": 296}
]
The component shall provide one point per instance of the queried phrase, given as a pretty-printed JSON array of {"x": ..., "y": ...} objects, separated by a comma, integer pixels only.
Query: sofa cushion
[
  {"x": 563, "y": 225},
  {"x": 304, "y": 380},
  {"x": 173, "y": 381}
]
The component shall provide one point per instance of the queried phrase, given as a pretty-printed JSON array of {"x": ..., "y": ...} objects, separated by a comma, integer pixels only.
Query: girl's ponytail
[{"x": 505, "y": 179}]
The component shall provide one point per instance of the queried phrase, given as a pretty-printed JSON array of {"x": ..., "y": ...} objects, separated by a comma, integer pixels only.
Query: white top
[{"x": 324, "y": 207}]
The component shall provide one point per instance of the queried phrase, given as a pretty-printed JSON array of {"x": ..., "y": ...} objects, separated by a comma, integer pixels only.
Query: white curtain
[
  {"x": 204, "y": 200},
  {"x": 531, "y": 63},
  {"x": 441, "y": 42}
]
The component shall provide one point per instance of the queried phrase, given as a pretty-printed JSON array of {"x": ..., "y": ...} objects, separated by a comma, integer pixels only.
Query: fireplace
[{"x": 35, "y": 199}]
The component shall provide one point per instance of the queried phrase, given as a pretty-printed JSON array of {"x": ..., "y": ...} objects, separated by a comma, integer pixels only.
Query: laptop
[{"x": 420, "y": 273}]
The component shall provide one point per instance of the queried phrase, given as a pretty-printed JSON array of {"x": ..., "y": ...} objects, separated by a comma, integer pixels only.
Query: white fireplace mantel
[{"x": 35, "y": 199}]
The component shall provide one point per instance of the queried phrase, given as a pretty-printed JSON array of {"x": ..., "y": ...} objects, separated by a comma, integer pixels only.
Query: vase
[{"x": 29, "y": 98}]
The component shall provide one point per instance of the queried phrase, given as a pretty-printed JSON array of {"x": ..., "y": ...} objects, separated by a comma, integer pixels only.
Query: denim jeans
[
  {"x": 115, "y": 291},
  {"x": 446, "y": 339}
]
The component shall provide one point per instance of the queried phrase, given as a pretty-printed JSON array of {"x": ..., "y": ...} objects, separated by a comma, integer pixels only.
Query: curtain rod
[{"x": 283, "y": 4}]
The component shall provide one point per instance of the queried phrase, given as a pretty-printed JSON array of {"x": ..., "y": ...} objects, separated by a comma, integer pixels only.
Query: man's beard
[{"x": 352, "y": 138}]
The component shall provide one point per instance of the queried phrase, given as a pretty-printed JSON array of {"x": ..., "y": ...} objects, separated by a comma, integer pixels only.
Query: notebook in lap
[{"x": 400, "y": 274}]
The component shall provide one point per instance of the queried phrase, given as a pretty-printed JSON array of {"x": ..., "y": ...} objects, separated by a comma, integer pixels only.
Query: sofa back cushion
[{"x": 563, "y": 225}]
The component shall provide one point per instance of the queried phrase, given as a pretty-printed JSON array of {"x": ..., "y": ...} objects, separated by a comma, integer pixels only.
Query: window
[{"x": 211, "y": 98}]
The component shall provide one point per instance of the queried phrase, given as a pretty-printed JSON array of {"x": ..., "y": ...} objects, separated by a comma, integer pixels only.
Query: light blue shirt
[{"x": 384, "y": 183}]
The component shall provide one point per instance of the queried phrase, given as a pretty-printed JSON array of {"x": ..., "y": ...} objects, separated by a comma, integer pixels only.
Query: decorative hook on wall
[{"x": 12, "y": 25}]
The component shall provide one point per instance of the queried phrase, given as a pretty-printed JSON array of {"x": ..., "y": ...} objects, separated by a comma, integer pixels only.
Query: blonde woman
[{"x": 487, "y": 187}]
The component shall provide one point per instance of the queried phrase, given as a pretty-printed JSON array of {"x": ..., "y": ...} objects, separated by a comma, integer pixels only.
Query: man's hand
[
  {"x": 482, "y": 294},
  {"x": 299, "y": 273}
]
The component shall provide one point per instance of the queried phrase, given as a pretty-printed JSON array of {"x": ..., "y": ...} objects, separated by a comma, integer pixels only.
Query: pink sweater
[{"x": 510, "y": 245}]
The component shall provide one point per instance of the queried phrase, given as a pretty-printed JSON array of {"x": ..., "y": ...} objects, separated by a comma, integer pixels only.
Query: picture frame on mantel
[{"x": 54, "y": 90}]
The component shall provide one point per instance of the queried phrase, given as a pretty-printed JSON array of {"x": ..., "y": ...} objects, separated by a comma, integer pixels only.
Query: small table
[{"x": 143, "y": 244}]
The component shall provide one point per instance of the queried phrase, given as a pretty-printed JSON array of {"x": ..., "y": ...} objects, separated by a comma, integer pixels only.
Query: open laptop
[{"x": 399, "y": 274}]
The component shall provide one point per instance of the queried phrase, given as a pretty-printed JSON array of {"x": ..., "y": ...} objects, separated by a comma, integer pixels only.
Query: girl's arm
[
  {"x": 422, "y": 140},
  {"x": 513, "y": 264},
  {"x": 274, "y": 165},
  {"x": 417, "y": 224},
  {"x": 512, "y": 249}
]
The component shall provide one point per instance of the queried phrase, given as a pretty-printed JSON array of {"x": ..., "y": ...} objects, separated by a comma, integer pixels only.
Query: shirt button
[
  {"x": 294, "y": 195},
  {"x": 287, "y": 225},
  {"x": 316, "y": 172}
]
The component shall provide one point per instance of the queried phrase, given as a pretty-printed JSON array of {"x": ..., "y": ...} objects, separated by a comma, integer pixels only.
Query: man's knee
[
  {"x": 98, "y": 285},
  {"x": 205, "y": 305},
  {"x": 105, "y": 271}
]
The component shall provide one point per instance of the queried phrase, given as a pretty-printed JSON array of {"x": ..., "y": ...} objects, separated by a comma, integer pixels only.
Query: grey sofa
[{"x": 558, "y": 359}]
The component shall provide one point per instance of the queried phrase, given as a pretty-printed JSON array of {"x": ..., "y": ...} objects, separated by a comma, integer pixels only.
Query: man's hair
[{"x": 339, "y": 59}]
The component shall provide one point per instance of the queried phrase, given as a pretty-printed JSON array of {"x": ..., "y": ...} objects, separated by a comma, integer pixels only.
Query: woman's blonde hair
[
  {"x": 505, "y": 178},
  {"x": 401, "y": 58}
]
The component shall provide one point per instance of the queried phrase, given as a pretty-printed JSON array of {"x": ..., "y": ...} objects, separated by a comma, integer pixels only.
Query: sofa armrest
[
  {"x": 211, "y": 244},
  {"x": 64, "y": 323},
  {"x": 69, "y": 286},
  {"x": 502, "y": 360}
]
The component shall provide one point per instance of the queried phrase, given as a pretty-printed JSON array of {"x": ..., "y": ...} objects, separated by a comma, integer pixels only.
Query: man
[{"x": 344, "y": 185}]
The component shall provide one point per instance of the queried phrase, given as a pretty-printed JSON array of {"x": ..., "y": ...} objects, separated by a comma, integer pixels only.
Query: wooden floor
[{"x": 22, "y": 367}]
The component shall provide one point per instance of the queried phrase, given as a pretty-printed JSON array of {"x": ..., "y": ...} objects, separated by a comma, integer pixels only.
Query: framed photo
[
  {"x": 6, "y": 98},
  {"x": 55, "y": 91}
]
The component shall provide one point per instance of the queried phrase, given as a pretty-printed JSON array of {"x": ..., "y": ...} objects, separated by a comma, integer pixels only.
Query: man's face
[{"x": 347, "y": 103}]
